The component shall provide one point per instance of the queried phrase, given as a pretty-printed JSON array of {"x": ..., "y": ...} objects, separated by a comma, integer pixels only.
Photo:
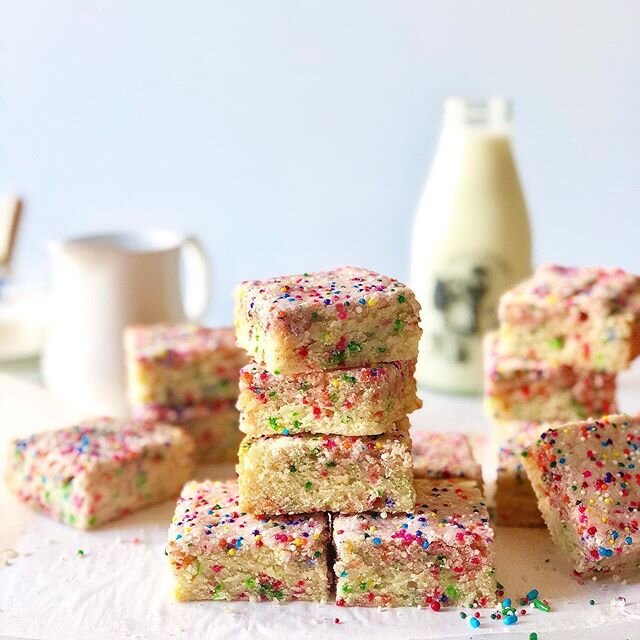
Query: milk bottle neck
[{"x": 491, "y": 116}]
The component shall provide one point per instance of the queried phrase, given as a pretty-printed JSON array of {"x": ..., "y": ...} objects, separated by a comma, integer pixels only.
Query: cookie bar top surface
[
  {"x": 443, "y": 455},
  {"x": 557, "y": 288},
  {"x": 337, "y": 289},
  {"x": 181, "y": 341},
  {"x": 445, "y": 510},
  {"x": 208, "y": 518},
  {"x": 86, "y": 445},
  {"x": 347, "y": 317},
  {"x": 590, "y": 471}
]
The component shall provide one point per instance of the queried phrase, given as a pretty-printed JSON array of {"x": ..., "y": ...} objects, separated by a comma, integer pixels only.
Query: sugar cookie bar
[
  {"x": 175, "y": 365},
  {"x": 99, "y": 470},
  {"x": 585, "y": 476},
  {"x": 219, "y": 552},
  {"x": 516, "y": 503},
  {"x": 445, "y": 455},
  {"x": 348, "y": 317},
  {"x": 306, "y": 472},
  {"x": 440, "y": 552},
  {"x": 525, "y": 389},
  {"x": 585, "y": 317},
  {"x": 359, "y": 401},
  {"x": 213, "y": 426}
]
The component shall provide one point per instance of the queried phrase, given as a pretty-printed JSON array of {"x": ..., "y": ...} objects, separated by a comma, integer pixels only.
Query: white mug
[{"x": 102, "y": 284}]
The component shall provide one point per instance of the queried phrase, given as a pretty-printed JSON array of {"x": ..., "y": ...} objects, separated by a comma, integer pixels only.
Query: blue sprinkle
[
  {"x": 533, "y": 594},
  {"x": 405, "y": 525},
  {"x": 506, "y": 603},
  {"x": 362, "y": 301},
  {"x": 285, "y": 432},
  {"x": 605, "y": 552},
  {"x": 425, "y": 544},
  {"x": 474, "y": 622},
  {"x": 179, "y": 536},
  {"x": 377, "y": 541},
  {"x": 628, "y": 540},
  {"x": 511, "y": 619},
  {"x": 614, "y": 535}
]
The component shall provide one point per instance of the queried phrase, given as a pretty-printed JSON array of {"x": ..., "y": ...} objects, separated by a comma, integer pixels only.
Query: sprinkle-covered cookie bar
[
  {"x": 444, "y": 455},
  {"x": 585, "y": 317},
  {"x": 213, "y": 426},
  {"x": 359, "y": 401},
  {"x": 219, "y": 552},
  {"x": 516, "y": 503},
  {"x": 306, "y": 472},
  {"x": 347, "y": 317},
  {"x": 175, "y": 365},
  {"x": 519, "y": 388},
  {"x": 99, "y": 470},
  {"x": 585, "y": 476},
  {"x": 440, "y": 553}
]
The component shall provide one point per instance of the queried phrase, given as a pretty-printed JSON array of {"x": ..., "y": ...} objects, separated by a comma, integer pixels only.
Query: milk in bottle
[{"x": 471, "y": 241}]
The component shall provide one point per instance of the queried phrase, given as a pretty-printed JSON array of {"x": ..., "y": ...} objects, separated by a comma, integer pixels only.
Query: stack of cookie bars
[
  {"x": 564, "y": 336},
  {"x": 327, "y": 457},
  {"x": 187, "y": 375}
]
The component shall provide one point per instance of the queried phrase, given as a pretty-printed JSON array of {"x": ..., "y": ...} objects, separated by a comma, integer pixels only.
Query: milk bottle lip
[{"x": 493, "y": 112}]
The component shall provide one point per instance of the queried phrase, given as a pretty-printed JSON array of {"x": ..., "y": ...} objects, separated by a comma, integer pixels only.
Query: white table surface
[{"x": 120, "y": 588}]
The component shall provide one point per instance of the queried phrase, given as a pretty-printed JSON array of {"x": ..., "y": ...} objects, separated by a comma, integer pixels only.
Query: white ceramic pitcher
[{"x": 101, "y": 284}]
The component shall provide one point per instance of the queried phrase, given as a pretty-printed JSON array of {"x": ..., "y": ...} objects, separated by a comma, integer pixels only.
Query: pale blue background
[{"x": 296, "y": 135}]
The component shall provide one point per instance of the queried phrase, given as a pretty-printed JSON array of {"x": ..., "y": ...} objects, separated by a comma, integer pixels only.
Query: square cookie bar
[
  {"x": 219, "y": 552},
  {"x": 585, "y": 476},
  {"x": 359, "y": 401},
  {"x": 306, "y": 472},
  {"x": 175, "y": 365},
  {"x": 213, "y": 426},
  {"x": 585, "y": 317},
  {"x": 519, "y": 388},
  {"x": 99, "y": 470},
  {"x": 516, "y": 503},
  {"x": 347, "y": 317},
  {"x": 440, "y": 552},
  {"x": 445, "y": 455}
]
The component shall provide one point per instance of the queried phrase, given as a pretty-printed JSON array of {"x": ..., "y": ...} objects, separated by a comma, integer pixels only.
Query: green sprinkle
[
  {"x": 80, "y": 553},
  {"x": 592, "y": 602},
  {"x": 533, "y": 636},
  {"x": 315, "y": 316},
  {"x": 347, "y": 378},
  {"x": 331, "y": 463},
  {"x": 276, "y": 371},
  {"x": 398, "y": 324},
  {"x": 401, "y": 299},
  {"x": 273, "y": 394},
  {"x": 557, "y": 343},
  {"x": 308, "y": 485},
  {"x": 463, "y": 615},
  {"x": 354, "y": 347},
  {"x": 274, "y": 423},
  {"x": 292, "y": 468},
  {"x": 382, "y": 349},
  {"x": 538, "y": 604},
  {"x": 141, "y": 479},
  {"x": 297, "y": 424}
]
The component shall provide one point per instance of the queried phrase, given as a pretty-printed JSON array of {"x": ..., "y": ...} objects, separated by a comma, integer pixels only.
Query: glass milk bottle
[{"x": 471, "y": 241}]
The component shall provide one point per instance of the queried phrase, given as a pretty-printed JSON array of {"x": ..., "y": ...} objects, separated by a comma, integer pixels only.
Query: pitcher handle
[{"x": 198, "y": 290}]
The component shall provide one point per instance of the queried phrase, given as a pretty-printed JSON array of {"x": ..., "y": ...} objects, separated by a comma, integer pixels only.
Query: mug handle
[{"x": 196, "y": 304}]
